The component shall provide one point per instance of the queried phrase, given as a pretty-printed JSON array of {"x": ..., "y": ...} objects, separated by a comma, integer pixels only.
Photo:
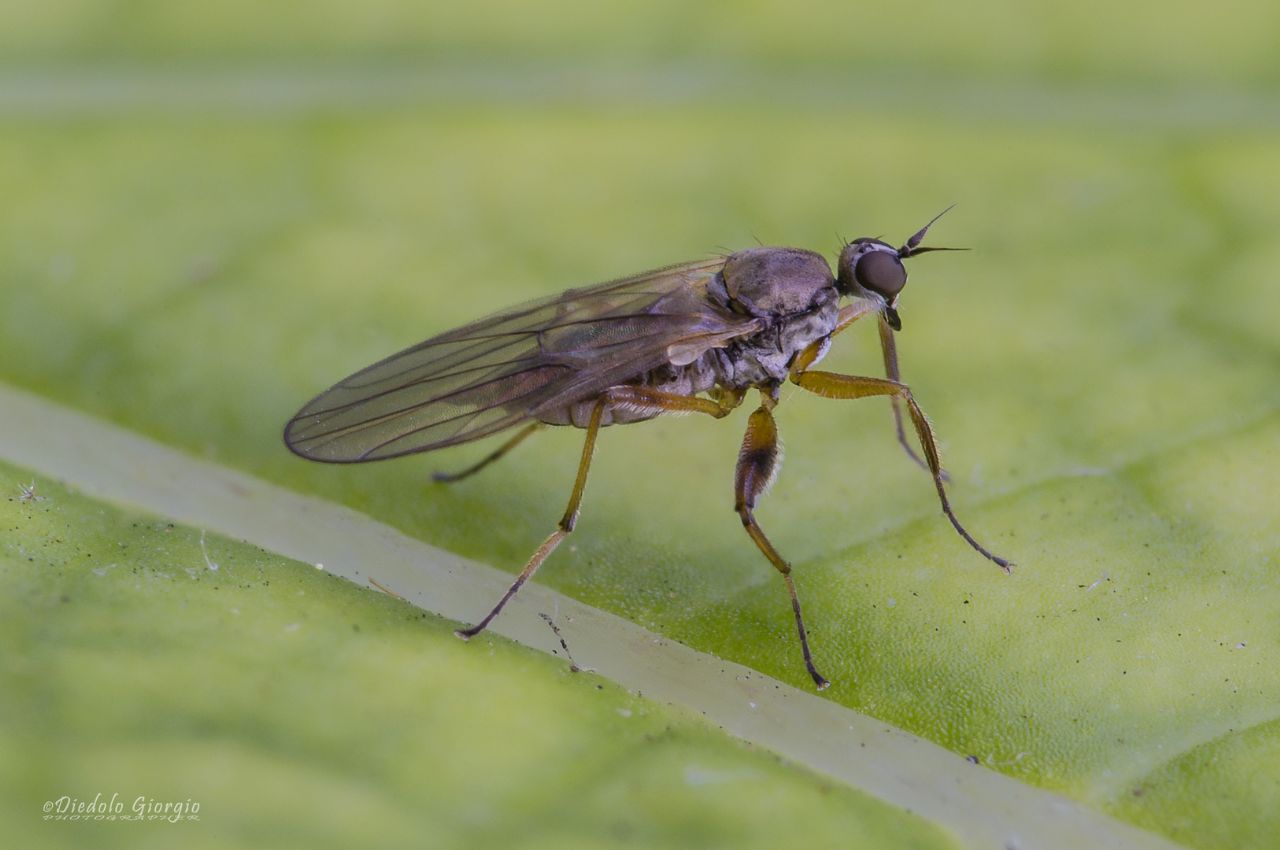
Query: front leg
[
  {"x": 757, "y": 466},
  {"x": 815, "y": 351},
  {"x": 831, "y": 385},
  {"x": 890, "y": 351}
]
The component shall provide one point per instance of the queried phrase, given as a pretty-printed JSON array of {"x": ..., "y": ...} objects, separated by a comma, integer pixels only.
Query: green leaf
[{"x": 274, "y": 702}]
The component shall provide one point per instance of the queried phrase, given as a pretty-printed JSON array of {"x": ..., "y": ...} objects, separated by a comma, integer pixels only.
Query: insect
[
  {"x": 27, "y": 492},
  {"x": 689, "y": 338}
]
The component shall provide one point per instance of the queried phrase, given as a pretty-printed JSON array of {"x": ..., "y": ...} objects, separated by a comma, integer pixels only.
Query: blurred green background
[{"x": 213, "y": 211}]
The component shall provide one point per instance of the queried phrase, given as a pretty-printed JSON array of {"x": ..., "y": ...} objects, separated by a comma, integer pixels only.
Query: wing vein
[{"x": 519, "y": 364}]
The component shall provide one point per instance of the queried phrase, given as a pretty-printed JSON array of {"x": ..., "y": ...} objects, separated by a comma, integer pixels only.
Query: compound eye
[{"x": 882, "y": 272}]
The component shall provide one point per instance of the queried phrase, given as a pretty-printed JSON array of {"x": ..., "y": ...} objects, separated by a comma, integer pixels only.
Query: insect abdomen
[{"x": 688, "y": 380}]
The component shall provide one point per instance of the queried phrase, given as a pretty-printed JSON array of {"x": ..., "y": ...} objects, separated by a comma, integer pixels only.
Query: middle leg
[{"x": 757, "y": 467}]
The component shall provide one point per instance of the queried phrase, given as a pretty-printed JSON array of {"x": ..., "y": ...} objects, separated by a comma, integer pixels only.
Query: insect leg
[
  {"x": 635, "y": 397},
  {"x": 757, "y": 466},
  {"x": 890, "y": 351},
  {"x": 831, "y": 385},
  {"x": 849, "y": 314},
  {"x": 646, "y": 400},
  {"x": 567, "y": 522},
  {"x": 517, "y": 439}
]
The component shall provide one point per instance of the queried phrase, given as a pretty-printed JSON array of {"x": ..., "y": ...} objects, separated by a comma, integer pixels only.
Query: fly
[{"x": 688, "y": 338}]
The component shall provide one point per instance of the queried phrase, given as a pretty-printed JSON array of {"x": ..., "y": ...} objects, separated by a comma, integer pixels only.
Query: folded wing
[{"x": 507, "y": 368}]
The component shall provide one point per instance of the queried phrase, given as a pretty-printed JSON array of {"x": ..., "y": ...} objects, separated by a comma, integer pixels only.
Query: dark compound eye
[{"x": 881, "y": 272}]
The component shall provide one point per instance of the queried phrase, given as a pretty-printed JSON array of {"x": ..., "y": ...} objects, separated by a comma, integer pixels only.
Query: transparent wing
[{"x": 494, "y": 373}]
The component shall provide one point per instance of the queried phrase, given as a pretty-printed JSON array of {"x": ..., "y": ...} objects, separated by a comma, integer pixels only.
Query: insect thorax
[
  {"x": 793, "y": 295},
  {"x": 766, "y": 357},
  {"x": 790, "y": 291}
]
